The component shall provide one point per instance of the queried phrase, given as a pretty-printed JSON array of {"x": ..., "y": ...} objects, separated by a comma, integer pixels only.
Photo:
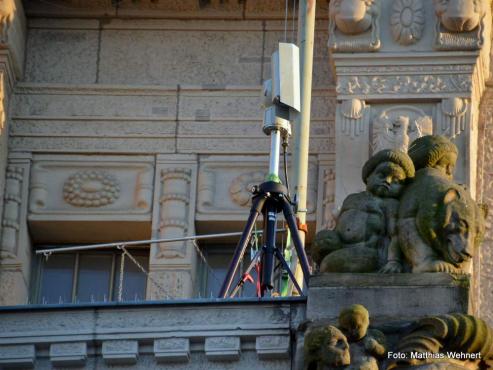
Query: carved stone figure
[
  {"x": 325, "y": 347},
  {"x": 439, "y": 224},
  {"x": 367, "y": 220},
  {"x": 460, "y": 24},
  {"x": 432, "y": 337},
  {"x": 397, "y": 127},
  {"x": 353, "y": 347},
  {"x": 349, "y": 18}
]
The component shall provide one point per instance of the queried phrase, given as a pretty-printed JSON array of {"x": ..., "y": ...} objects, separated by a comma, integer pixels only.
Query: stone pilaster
[
  {"x": 172, "y": 265},
  {"x": 15, "y": 245}
]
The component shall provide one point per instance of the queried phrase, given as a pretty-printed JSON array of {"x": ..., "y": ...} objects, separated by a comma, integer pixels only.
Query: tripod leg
[
  {"x": 269, "y": 241},
  {"x": 255, "y": 210},
  {"x": 249, "y": 268},
  {"x": 298, "y": 244},
  {"x": 284, "y": 264}
]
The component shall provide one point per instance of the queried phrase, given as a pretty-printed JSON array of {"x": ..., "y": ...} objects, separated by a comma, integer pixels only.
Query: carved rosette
[
  {"x": 11, "y": 211},
  {"x": 174, "y": 210},
  {"x": 407, "y": 21},
  {"x": 397, "y": 127},
  {"x": 353, "y": 25},
  {"x": 91, "y": 189}
]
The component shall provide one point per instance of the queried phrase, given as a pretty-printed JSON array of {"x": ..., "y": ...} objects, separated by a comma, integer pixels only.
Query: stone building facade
[{"x": 128, "y": 120}]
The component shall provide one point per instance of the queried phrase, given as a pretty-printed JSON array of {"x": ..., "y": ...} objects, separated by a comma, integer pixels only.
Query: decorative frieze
[
  {"x": 404, "y": 84},
  {"x": 76, "y": 186},
  {"x": 172, "y": 350},
  {"x": 225, "y": 185}
]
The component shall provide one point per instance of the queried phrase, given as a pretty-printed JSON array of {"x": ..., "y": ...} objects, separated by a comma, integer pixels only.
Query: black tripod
[{"x": 269, "y": 198}]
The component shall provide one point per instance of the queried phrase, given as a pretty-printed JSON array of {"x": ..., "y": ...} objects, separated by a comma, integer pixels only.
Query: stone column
[{"x": 172, "y": 265}]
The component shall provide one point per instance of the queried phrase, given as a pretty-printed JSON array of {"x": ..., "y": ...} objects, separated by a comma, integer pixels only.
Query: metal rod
[
  {"x": 143, "y": 242},
  {"x": 275, "y": 151},
  {"x": 301, "y": 138}
]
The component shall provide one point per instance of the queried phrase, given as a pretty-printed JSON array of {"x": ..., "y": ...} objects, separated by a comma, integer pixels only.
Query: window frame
[{"x": 37, "y": 280}]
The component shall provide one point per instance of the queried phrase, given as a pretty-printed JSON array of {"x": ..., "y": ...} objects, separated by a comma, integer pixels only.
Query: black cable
[{"x": 285, "y": 160}]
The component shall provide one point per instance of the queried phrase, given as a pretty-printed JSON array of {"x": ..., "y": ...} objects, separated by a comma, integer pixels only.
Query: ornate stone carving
[
  {"x": 91, "y": 189},
  {"x": 352, "y": 345},
  {"x": 453, "y": 120},
  {"x": 174, "y": 201},
  {"x": 11, "y": 211},
  {"x": 367, "y": 221},
  {"x": 352, "y": 113},
  {"x": 241, "y": 186},
  {"x": 404, "y": 84},
  {"x": 396, "y": 127},
  {"x": 407, "y": 21},
  {"x": 460, "y": 24},
  {"x": 433, "y": 337},
  {"x": 440, "y": 226},
  {"x": 353, "y": 25}
]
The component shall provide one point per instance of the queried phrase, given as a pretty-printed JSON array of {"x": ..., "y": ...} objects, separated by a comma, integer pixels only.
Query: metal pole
[{"x": 306, "y": 30}]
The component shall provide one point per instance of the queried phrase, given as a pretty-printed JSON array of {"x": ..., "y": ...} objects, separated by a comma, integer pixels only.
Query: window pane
[
  {"x": 56, "y": 282},
  {"x": 134, "y": 280},
  {"x": 93, "y": 283}
]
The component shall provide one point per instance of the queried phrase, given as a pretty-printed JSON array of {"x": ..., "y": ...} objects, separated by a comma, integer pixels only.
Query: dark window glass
[
  {"x": 93, "y": 283},
  {"x": 134, "y": 280},
  {"x": 57, "y": 279}
]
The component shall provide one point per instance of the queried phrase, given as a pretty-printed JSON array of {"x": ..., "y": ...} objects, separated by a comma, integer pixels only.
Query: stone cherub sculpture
[
  {"x": 367, "y": 220},
  {"x": 439, "y": 224},
  {"x": 352, "y": 347}
]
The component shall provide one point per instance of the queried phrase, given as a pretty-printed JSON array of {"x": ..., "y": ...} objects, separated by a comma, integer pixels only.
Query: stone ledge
[{"x": 393, "y": 296}]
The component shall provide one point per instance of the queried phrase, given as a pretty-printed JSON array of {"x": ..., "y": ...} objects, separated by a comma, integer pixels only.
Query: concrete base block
[{"x": 392, "y": 297}]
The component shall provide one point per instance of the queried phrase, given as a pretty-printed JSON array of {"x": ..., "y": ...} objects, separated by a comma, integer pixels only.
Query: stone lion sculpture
[{"x": 439, "y": 224}]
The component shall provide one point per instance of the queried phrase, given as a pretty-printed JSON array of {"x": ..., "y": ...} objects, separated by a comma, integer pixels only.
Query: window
[
  {"x": 213, "y": 271},
  {"x": 90, "y": 277}
]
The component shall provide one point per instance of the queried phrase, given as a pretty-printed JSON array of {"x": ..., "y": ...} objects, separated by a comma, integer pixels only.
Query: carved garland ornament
[
  {"x": 407, "y": 21},
  {"x": 91, "y": 189}
]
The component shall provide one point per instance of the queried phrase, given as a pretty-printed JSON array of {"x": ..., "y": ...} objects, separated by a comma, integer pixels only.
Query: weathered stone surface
[
  {"x": 120, "y": 352},
  {"x": 388, "y": 297},
  {"x": 22, "y": 355},
  {"x": 222, "y": 348},
  {"x": 273, "y": 347},
  {"x": 177, "y": 57},
  {"x": 68, "y": 354},
  {"x": 172, "y": 350},
  {"x": 62, "y": 56}
]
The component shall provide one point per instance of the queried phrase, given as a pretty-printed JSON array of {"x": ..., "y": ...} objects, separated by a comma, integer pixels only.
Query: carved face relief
[
  {"x": 352, "y": 16},
  {"x": 386, "y": 181},
  {"x": 326, "y": 347},
  {"x": 459, "y": 15}
]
